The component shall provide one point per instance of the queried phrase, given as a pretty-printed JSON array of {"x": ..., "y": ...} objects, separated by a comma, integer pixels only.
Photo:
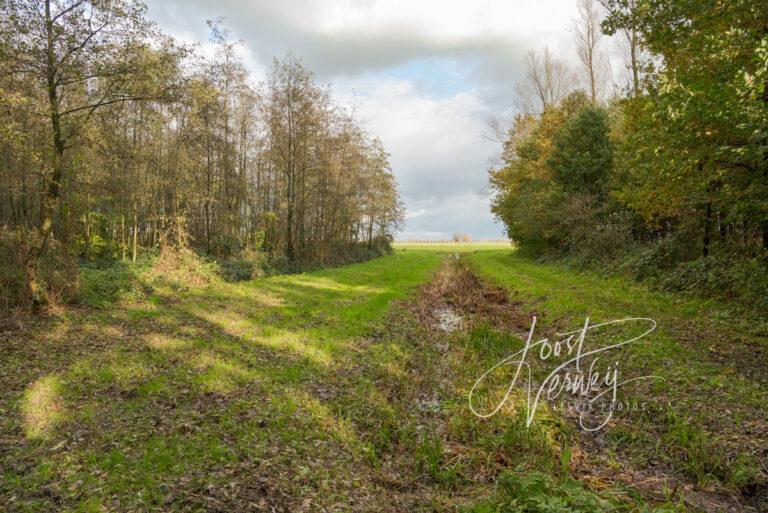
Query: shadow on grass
[{"x": 197, "y": 395}]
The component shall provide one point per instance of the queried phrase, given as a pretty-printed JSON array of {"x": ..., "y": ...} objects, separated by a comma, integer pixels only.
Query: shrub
[
  {"x": 649, "y": 261},
  {"x": 225, "y": 246},
  {"x": 182, "y": 267},
  {"x": 592, "y": 232},
  {"x": 243, "y": 269},
  {"x": 30, "y": 277},
  {"x": 102, "y": 287},
  {"x": 724, "y": 276}
]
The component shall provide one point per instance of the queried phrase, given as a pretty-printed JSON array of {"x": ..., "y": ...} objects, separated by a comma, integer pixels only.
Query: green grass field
[
  {"x": 328, "y": 391},
  {"x": 713, "y": 392},
  {"x": 452, "y": 247}
]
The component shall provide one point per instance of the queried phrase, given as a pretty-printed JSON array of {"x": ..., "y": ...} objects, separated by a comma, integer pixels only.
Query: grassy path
[
  {"x": 706, "y": 422},
  {"x": 229, "y": 397},
  {"x": 337, "y": 391}
]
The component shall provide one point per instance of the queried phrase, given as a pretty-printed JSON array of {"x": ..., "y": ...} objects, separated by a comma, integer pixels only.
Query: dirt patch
[{"x": 457, "y": 293}]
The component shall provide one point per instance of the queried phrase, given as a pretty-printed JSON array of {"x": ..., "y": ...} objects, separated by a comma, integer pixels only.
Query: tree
[
  {"x": 77, "y": 57},
  {"x": 85, "y": 55},
  {"x": 624, "y": 17},
  {"x": 699, "y": 147},
  {"x": 136, "y": 146},
  {"x": 547, "y": 81},
  {"x": 582, "y": 154},
  {"x": 587, "y": 34}
]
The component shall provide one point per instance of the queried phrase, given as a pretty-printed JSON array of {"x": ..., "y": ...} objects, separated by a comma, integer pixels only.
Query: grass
[
  {"x": 713, "y": 391},
  {"x": 452, "y": 247},
  {"x": 196, "y": 392},
  {"x": 330, "y": 391}
]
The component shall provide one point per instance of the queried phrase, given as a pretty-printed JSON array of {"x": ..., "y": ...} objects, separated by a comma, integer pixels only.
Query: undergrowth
[{"x": 534, "y": 492}]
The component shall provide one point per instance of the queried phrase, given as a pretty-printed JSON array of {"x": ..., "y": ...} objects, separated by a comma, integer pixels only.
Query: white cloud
[
  {"x": 436, "y": 145},
  {"x": 438, "y": 153},
  {"x": 410, "y": 214},
  {"x": 444, "y": 215}
]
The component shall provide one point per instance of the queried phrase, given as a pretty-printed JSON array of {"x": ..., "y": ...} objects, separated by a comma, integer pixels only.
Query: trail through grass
[
  {"x": 338, "y": 391},
  {"x": 228, "y": 397},
  {"x": 704, "y": 421}
]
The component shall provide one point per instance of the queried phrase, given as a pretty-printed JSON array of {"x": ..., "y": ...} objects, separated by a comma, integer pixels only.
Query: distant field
[{"x": 452, "y": 247}]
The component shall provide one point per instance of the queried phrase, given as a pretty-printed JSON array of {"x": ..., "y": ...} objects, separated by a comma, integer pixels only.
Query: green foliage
[
  {"x": 225, "y": 246},
  {"x": 431, "y": 460},
  {"x": 533, "y": 492},
  {"x": 552, "y": 189},
  {"x": 674, "y": 178},
  {"x": 672, "y": 263},
  {"x": 243, "y": 269},
  {"x": 582, "y": 157},
  {"x": 103, "y": 286},
  {"x": 722, "y": 276}
]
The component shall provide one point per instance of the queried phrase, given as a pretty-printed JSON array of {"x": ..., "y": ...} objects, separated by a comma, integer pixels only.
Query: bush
[
  {"x": 592, "y": 232},
  {"x": 30, "y": 278},
  {"x": 243, "y": 269},
  {"x": 342, "y": 253},
  {"x": 744, "y": 280},
  {"x": 102, "y": 286},
  {"x": 182, "y": 267},
  {"x": 225, "y": 246},
  {"x": 650, "y": 260},
  {"x": 674, "y": 264}
]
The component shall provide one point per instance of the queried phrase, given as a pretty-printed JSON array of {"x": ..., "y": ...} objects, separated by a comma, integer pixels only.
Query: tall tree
[
  {"x": 547, "y": 81},
  {"x": 624, "y": 18},
  {"x": 85, "y": 55},
  {"x": 587, "y": 34}
]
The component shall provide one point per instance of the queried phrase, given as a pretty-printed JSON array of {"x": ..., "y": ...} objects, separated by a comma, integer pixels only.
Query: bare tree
[
  {"x": 587, "y": 35},
  {"x": 632, "y": 48},
  {"x": 547, "y": 81}
]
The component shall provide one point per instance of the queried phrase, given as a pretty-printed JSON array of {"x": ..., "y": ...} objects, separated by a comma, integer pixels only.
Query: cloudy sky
[{"x": 426, "y": 75}]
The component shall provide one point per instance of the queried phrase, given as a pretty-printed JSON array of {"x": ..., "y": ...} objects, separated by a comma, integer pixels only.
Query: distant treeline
[
  {"x": 115, "y": 138},
  {"x": 666, "y": 177}
]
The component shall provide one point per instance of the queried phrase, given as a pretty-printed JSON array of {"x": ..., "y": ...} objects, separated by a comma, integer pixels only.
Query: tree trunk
[
  {"x": 49, "y": 204},
  {"x": 122, "y": 236},
  {"x": 135, "y": 236}
]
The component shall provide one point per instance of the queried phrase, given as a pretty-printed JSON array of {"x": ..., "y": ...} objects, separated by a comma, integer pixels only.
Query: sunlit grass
[
  {"x": 187, "y": 379},
  {"x": 315, "y": 380},
  {"x": 42, "y": 406}
]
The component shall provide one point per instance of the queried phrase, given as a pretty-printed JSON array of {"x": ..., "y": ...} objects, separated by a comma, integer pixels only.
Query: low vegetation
[{"x": 344, "y": 389}]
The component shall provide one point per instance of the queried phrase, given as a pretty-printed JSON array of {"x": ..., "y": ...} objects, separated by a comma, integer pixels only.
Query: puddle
[{"x": 448, "y": 320}]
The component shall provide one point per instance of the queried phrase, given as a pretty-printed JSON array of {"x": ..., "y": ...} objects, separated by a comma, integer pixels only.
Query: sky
[{"x": 426, "y": 75}]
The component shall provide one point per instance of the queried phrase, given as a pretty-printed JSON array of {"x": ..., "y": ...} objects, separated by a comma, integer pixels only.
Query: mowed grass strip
[
  {"x": 223, "y": 397},
  {"x": 706, "y": 419}
]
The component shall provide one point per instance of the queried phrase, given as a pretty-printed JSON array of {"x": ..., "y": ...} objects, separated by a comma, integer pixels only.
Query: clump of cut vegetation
[{"x": 182, "y": 267}]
